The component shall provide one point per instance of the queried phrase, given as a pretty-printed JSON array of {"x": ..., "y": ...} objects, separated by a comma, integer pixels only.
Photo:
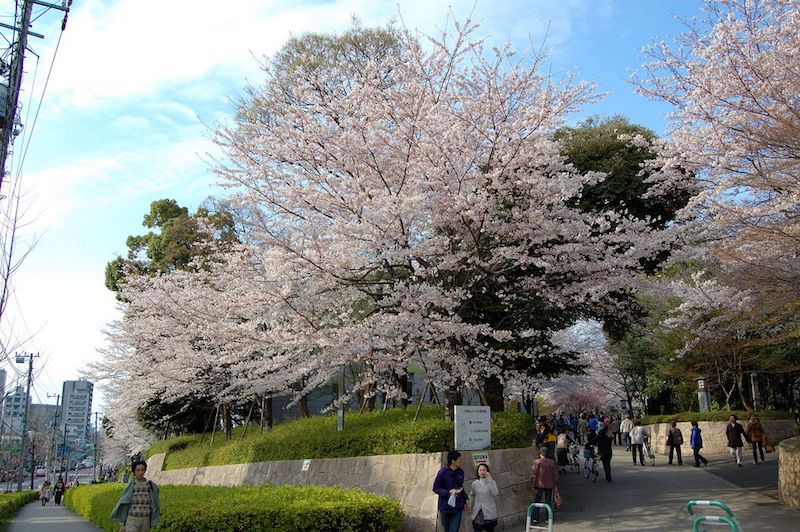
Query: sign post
[{"x": 473, "y": 427}]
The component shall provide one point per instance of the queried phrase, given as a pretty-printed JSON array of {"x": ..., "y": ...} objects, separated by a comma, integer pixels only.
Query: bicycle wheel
[
  {"x": 595, "y": 471},
  {"x": 652, "y": 459},
  {"x": 586, "y": 469}
]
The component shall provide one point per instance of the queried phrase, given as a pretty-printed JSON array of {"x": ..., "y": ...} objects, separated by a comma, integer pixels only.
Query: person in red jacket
[{"x": 544, "y": 479}]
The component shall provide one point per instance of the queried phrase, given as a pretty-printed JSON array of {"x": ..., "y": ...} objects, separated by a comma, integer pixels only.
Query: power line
[{"x": 39, "y": 107}]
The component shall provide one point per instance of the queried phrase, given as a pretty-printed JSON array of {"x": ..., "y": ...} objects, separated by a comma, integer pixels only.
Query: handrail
[
  {"x": 721, "y": 505},
  {"x": 549, "y": 515},
  {"x": 715, "y": 519}
]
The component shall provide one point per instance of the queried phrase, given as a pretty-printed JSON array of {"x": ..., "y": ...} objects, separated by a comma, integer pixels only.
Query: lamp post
[
  {"x": 702, "y": 394},
  {"x": 94, "y": 465},
  {"x": 53, "y": 447},
  {"x": 20, "y": 359}
]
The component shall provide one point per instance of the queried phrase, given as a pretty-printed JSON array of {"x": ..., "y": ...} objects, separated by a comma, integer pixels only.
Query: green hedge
[
  {"x": 275, "y": 508},
  {"x": 367, "y": 434},
  {"x": 10, "y": 503},
  {"x": 716, "y": 415}
]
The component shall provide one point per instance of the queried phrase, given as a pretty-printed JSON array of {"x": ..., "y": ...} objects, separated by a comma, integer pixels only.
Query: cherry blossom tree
[
  {"x": 428, "y": 210},
  {"x": 734, "y": 79}
]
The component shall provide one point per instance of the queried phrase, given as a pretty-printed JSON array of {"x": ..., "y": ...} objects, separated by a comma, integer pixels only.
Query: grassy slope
[{"x": 372, "y": 433}]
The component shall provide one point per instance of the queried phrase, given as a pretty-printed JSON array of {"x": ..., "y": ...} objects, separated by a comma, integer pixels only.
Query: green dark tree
[
  {"x": 602, "y": 145},
  {"x": 595, "y": 146},
  {"x": 175, "y": 239}
]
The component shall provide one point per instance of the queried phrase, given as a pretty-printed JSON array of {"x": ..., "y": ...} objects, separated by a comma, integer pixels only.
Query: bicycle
[{"x": 590, "y": 465}]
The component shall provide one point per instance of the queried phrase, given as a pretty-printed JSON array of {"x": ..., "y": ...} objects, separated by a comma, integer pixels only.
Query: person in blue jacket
[
  {"x": 138, "y": 509},
  {"x": 696, "y": 441},
  {"x": 592, "y": 426},
  {"x": 449, "y": 486}
]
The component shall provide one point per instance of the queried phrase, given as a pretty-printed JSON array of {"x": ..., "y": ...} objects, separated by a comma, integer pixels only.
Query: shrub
[
  {"x": 10, "y": 503},
  {"x": 370, "y": 433},
  {"x": 95, "y": 502},
  {"x": 277, "y": 508},
  {"x": 716, "y": 415}
]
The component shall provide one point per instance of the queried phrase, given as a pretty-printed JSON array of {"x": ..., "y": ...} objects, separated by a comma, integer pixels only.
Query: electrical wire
[{"x": 39, "y": 107}]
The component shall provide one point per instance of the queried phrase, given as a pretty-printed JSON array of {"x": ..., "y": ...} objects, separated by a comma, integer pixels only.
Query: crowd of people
[{"x": 554, "y": 435}]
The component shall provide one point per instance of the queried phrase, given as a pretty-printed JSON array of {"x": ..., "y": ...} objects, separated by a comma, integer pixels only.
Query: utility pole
[
  {"x": 19, "y": 44},
  {"x": 22, "y": 448},
  {"x": 51, "y": 463},
  {"x": 64, "y": 469}
]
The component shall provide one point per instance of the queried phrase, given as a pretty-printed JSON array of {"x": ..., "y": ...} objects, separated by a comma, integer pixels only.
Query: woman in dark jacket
[
  {"x": 734, "y": 433},
  {"x": 59, "y": 489}
]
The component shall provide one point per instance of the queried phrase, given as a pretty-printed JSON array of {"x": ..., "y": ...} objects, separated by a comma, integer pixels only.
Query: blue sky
[{"x": 136, "y": 84}]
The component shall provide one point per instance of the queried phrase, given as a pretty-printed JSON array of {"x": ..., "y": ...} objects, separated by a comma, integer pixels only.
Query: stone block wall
[
  {"x": 407, "y": 478},
  {"x": 789, "y": 472},
  {"x": 713, "y": 433}
]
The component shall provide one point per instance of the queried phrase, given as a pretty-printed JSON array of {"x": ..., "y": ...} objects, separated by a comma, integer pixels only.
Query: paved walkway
[
  {"x": 640, "y": 499},
  {"x": 34, "y": 517},
  {"x": 654, "y": 498}
]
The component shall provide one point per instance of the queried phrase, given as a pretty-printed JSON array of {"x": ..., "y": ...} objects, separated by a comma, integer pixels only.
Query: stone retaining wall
[
  {"x": 407, "y": 478},
  {"x": 713, "y": 433},
  {"x": 789, "y": 472}
]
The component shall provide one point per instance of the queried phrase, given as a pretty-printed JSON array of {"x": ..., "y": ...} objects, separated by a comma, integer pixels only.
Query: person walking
[
  {"x": 615, "y": 432},
  {"x": 696, "y": 442},
  {"x": 592, "y": 424},
  {"x": 44, "y": 493},
  {"x": 583, "y": 429},
  {"x": 637, "y": 436},
  {"x": 562, "y": 450},
  {"x": 757, "y": 436},
  {"x": 625, "y": 428},
  {"x": 138, "y": 509},
  {"x": 544, "y": 479},
  {"x": 482, "y": 494},
  {"x": 603, "y": 442},
  {"x": 449, "y": 486},
  {"x": 58, "y": 490},
  {"x": 675, "y": 440},
  {"x": 734, "y": 433}
]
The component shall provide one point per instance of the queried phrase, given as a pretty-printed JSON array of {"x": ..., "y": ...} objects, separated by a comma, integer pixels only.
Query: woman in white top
[
  {"x": 481, "y": 495},
  {"x": 638, "y": 434}
]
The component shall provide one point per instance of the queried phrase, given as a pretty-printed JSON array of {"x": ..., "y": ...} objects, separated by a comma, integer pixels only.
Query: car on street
[{"x": 39, "y": 472}]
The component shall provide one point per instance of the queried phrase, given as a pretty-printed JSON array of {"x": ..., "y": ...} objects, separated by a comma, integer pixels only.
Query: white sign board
[
  {"x": 473, "y": 427},
  {"x": 306, "y": 463}
]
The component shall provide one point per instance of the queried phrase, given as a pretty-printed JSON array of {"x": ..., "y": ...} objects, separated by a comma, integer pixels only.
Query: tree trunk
[
  {"x": 452, "y": 397},
  {"x": 494, "y": 393},
  {"x": 270, "y": 418},
  {"x": 228, "y": 419},
  {"x": 742, "y": 393},
  {"x": 404, "y": 383},
  {"x": 303, "y": 404},
  {"x": 247, "y": 420},
  {"x": 214, "y": 426}
]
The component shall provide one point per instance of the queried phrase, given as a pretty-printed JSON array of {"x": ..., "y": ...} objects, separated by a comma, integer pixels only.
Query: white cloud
[
  {"x": 114, "y": 51},
  {"x": 134, "y": 85}
]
